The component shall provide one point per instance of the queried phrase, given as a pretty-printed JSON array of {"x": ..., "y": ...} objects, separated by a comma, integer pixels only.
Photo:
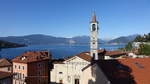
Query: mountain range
[
  {"x": 123, "y": 39},
  {"x": 40, "y": 39}
]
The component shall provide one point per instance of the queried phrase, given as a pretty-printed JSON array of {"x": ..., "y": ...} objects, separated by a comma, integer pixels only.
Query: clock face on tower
[{"x": 93, "y": 27}]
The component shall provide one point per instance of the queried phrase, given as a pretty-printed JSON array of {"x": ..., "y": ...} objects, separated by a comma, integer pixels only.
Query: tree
[
  {"x": 138, "y": 38},
  {"x": 144, "y": 49},
  {"x": 129, "y": 46}
]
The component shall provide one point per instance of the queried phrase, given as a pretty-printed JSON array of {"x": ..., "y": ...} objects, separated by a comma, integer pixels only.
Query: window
[
  {"x": 15, "y": 66},
  {"x": 93, "y": 27},
  {"x": 76, "y": 81},
  {"x": 139, "y": 65},
  {"x": 23, "y": 67},
  {"x": 93, "y": 54},
  {"x": 69, "y": 79},
  {"x": 8, "y": 68},
  {"x": 60, "y": 72},
  {"x": 17, "y": 75},
  {"x": 39, "y": 80},
  {"x": 22, "y": 75},
  {"x": 61, "y": 81},
  {"x": 39, "y": 72},
  {"x": 19, "y": 66}
]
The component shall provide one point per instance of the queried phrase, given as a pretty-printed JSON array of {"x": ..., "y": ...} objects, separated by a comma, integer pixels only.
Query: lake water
[{"x": 58, "y": 51}]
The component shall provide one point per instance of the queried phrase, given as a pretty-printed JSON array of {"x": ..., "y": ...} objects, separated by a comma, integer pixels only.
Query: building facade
[
  {"x": 69, "y": 71},
  {"x": 6, "y": 74},
  {"x": 6, "y": 77},
  {"x": 31, "y": 68},
  {"x": 5, "y": 65},
  {"x": 137, "y": 44},
  {"x": 118, "y": 71}
]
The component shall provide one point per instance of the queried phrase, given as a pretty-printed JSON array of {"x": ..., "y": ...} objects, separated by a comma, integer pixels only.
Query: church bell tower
[{"x": 94, "y": 37}]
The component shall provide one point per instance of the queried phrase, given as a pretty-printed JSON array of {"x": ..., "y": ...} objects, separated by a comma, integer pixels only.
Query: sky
[{"x": 68, "y": 18}]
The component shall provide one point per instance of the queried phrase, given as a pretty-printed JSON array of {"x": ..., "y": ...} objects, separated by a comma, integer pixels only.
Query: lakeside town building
[
  {"x": 5, "y": 65},
  {"x": 137, "y": 44},
  {"x": 118, "y": 71},
  {"x": 31, "y": 68},
  {"x": 6, "y": 77},
  {"x": 6, "y": 74}
]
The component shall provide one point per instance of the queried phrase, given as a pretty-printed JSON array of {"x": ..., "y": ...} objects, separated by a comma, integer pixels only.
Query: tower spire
[{"x": 94, "y": 18}]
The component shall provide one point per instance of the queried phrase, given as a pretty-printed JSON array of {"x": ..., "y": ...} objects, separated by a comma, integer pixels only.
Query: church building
[{"x": 69, "y": 70}]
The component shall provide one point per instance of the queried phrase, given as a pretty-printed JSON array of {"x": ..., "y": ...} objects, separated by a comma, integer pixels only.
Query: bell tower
[{"x": 94, "y": 37}]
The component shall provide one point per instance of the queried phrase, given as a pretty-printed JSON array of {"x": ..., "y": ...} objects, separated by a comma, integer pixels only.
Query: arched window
[{"x": 93, "y": 27}]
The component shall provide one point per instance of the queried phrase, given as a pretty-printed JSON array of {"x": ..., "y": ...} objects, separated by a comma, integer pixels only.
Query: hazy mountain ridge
[
  {"x": 123, "y": 39},
  {"x": 40, "y": 39},
  {"x": 84, "y": 39},
  {"x": 35, "y": 39}
]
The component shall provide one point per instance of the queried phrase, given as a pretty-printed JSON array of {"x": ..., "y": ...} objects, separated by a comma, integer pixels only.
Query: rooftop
[
  {"x": 5, "y": 75},
  {"x": 33, "y": 56},
  {"x": 127, "y": 71},
  {"x": 86, "y": 55},
  {"x": 4, "y": 62}
]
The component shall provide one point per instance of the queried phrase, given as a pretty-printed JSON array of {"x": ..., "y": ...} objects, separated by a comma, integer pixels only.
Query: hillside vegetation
[
  {"x": 144, "y": 49},
  {"x": 5, "y": 44},
  {"x": 145, "y": 38}
]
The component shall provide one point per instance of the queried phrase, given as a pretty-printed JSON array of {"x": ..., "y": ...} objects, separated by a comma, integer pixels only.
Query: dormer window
[{"x": 23, "y": 58}]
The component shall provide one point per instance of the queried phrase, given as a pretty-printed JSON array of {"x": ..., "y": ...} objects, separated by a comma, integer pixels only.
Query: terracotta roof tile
[
  {"x": 112, "y": 53},
  {"x": 32, "y": 57},
  {"x": 86, "y": 55},
  {"x": 126, "y": 71},
  {"x": 4, "y": 62},
  {"x": 5, "y": 74},
  {"x": 58, "y": 61},
  {"x": 140, "y": 69}
]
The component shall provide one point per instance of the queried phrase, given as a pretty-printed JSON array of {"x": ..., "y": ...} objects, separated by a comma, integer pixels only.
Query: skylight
[{"x": 139, "y": 65}]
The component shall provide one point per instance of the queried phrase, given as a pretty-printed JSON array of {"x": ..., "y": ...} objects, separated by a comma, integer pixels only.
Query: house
[
  {"x": 31, "y": 68},
  {"x": 5, "y": 71},
  {"x": 70, "y": 70},
  {"x": 108, "y": 55},
  {"x": 137, "y": 44},
  {"x": 118, "y": 71},
  {"x": 5, "y": 65},
  {"x": 6, "y": 77}
]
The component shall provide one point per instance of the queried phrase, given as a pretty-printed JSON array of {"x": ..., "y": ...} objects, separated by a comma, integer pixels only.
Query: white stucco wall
[
  {"x": 69, "y": 71},
  {"x": 6, "y": 69},
  {"x": 94, "y": 75}
]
